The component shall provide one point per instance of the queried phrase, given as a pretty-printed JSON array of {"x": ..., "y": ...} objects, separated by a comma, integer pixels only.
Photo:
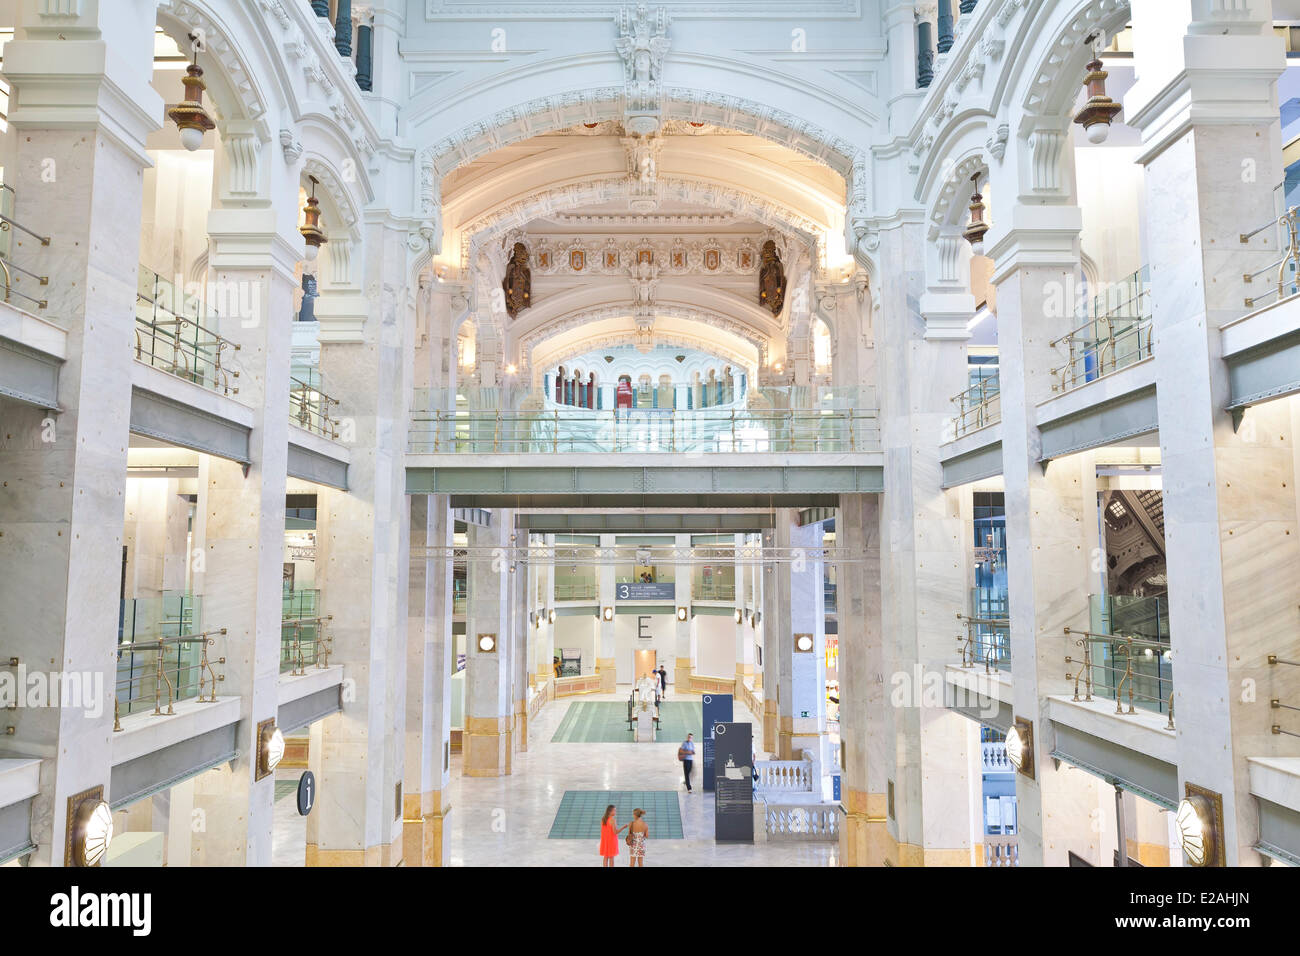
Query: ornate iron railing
[
  {"x": 1284, "y": 269},
  {"x": 987, "y": 641},
  {"x": 309, "y": 408},
  {"x": 169, "y": 336},
  {"x": 168, "y": 668},
  {"x": 1116, "y": 335},
  {"x": 1118, "y": 667},
  {"x": 12, "y": 271},
  {"x": 977, "y": 406}
]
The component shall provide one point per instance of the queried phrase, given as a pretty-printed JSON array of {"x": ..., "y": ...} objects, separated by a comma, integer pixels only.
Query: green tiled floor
[
  {"x": 580, "y": 811},
  {"x": 284, "y": 788},
  {"x": 605, "y": 722}
]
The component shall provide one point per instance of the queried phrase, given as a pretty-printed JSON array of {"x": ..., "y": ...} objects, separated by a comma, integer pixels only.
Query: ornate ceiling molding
[
  {"x": 1056, "y": 75},
  {"x": 717, "y": 320},
  {"x": 943, "y": 211},
  {"x": 334, "y": 187},
  {"x": 741, "y": 204},
  {"x": 195, "y": 18}
]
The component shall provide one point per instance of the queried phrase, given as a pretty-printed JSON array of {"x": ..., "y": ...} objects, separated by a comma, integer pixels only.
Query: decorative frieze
[{"x": 592, "y": 255}]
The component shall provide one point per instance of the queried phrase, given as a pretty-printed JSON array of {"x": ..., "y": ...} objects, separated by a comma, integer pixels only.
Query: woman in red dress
[{"x": 608, "y": 837}]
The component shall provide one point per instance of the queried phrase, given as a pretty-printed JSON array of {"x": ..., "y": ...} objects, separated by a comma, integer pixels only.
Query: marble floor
[{"x": 505, "y": 821}]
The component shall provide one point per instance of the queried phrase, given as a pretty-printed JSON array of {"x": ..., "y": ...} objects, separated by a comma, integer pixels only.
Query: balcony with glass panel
[
  {"x": 1125, "y": 655},
  {"x": 175, "y": 331}
]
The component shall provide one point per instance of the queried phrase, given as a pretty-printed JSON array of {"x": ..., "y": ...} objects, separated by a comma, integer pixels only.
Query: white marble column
[
  {"x": 253, "y": 265},
  {"x": 685, "y": 575},
  {"x": 863, "y": 743},
  {"x": 363, "y": 567},
  {"x": 1212, "y": 163},
  {"x": 426, "y": 799},
  {"x": 922, "y": 566},
  {"x": 76, "y": 172},
  {"x": 487, "y": 745},
  {"x": 520, "y": 627},
  {"x": 606, "y": 658},
  {"x": 1047, "y": 565}
]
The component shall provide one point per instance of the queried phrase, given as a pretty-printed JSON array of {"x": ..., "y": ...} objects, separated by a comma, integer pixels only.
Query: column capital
[{"x": 1036, "y": 236}]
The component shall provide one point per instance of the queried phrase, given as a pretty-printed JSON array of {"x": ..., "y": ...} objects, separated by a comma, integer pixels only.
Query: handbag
[
  {"x": 628, "y": 841},
  {"x": 683, "y": 753}
]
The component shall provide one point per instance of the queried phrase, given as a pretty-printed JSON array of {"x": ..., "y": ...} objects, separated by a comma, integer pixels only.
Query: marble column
[
  {"x": 426, "y": 801},
  {"x": 76, "y": 171},
  {"x": 863, "y": 744},
  {"x": 253, "y": 265},
  {"x": 774, "y": 622},
  {"x": 363, "y": 541},
  {"x": 744, "y": 633},
  {"x": 487, "y": 746},
  {"x": 606, "y": 658},
  {"x": 685, "y": 575},
  {"x": 1047, "y": 564},
  {"x": 922, "y": 567},
  {"x": 520, "y": 626},
  {"x": 1212, "y": 163}
]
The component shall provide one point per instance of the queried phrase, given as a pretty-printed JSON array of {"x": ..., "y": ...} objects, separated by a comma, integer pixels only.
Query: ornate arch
[
  {"x": 481, "y": 231},
  {"x": 332, "y": 182},
  {"x": 1054, "y": 78},
  {"x": 185, "y": 17}
]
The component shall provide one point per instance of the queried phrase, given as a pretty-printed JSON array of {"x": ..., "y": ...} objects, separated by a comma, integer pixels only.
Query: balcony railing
[
  {"x": 977, "y": 406},
  {"x": 167, "y": 669},
  {"x": 987, "y": 641},
  {"x": 1282, "y": 272},
  {"x": 713, "y": 591},
  {"x": 14, "y": 274},
  {"x": 167, "y": 614},
  {"x": 994, "y": 757},
  {"x": 513, "y": 420},
  {"x": 303, "y": 642},
  {"x": 805, "y": 822},
  {"x": 575, "y": 590},
  {"x": 1115, "y": 334},
  {"x": 309, "y": 408},
  {"x": 1001, "y": 849},
  {"x": 1276, "y": 703},
  {"x": 169, "y": 336},
  {"x": 1124, "y": 669}
]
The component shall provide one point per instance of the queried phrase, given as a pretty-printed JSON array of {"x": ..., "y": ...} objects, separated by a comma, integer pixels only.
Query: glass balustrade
[
  {"x": 1114, "y": 332},
  {"x": 1125, "y": 655},
  {"x": 304, "y": 638},
  {"x": 481, "y": 421},
  {"x": 175, "y": 332}
]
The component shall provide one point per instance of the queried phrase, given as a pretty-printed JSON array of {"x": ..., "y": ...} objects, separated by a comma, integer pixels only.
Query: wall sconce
[
  {"x": 487, "y": 643},
  {"x": 90, "y": 828},
  {"x": 310, "y": 229},
  {"x": 607, "y": 614},
  {"x": 1097, "y": 113},
  {"x": 1200, "y": 827},
  {"x": 550, "y": 616},
  {"x": 804, "y": 643},
  {"x": 270, "y": 748},
  {"x": 683, "y": 613},
  {"x": 975, "y": 229},
  {"x": 189, "y": 115},
  {"x": 1020, "y": 746}
]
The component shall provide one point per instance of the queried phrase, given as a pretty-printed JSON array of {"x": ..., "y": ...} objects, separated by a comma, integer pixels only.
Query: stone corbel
[
  {"x": 291, "y": 146},
  {"x": 342, "y": 316}
]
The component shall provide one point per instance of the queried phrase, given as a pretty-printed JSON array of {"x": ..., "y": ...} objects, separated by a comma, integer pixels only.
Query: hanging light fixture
[
  {"x": 189, "y": 115},
  {"x": 310, "y": 229},
  {"x": 1097, "y": 113},
  {"x": 975, "y": 229}
]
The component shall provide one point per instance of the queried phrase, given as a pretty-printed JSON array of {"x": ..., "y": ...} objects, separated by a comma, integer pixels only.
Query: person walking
[
  {"x": 686, "y": 754},
  {"x": 637, "y": 832},
  {"x": 663, "y": 679},
  {"x": 608, "y": 837}
]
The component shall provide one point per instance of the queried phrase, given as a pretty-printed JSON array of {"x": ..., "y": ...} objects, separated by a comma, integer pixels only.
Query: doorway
[{"x": 646, "y": 665}]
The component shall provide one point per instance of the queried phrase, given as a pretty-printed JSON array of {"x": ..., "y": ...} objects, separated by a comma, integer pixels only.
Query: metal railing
[
  {"x": 303, "y": 642},
  {"x": 575, "y": 590},
  {"x": 12, "y": 271},
  {"x": 170, "y": 337},
  {"x": 644, "y": 430},
  {"x": 978, "y": 406},
  {"x": 1283, "y": 269},
  {"x": 1123, "y": 665},
  {"x": 1115, "y": 335},
  {"x": 1275, "y": 703},
  {"x": 309, "y": 408},
  {"x": 987, "y": 641},
  {"x": 714, "y": 591},
  {"x": 174, "y": 668}
]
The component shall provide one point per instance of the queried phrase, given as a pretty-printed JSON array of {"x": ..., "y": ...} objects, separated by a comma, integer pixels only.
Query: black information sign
[
  {"x": 733, "y": 783},
  {"x": 717, "y": 708},
  {"x": 306, "y": 793}
]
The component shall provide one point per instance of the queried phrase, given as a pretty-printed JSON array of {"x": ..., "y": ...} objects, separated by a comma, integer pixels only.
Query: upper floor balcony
[{"x": 773, "y": 420}]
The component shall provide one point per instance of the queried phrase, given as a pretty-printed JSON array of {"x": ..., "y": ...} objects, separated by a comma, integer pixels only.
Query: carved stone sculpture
[
  {"x": 771, "y": 279},
  {"x": 518, "y": 283}
]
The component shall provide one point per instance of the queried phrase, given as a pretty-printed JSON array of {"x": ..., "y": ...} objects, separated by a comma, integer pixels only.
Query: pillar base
[
  {"x": 770, "y": 727},
  {"x": 384, "y": 854},
  {"x": 864, "y": 835},
  {"x": 605, "y": 667},
  {"x": 425, "y": 818},
  {"x": 521, "y": 726},
  {"x": 486, "y": 747}
]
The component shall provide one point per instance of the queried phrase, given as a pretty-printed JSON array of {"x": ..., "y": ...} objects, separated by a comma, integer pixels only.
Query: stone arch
[{"x": 238, "y": 95}]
